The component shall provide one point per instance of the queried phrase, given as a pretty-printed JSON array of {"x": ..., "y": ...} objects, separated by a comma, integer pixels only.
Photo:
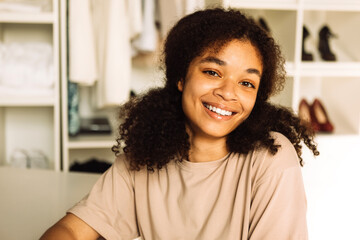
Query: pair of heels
[
  {"x": 323, "y": 45},
  {"x": 316, "y": 116}
]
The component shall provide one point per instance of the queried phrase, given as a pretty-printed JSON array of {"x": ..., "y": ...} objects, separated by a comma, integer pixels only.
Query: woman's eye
[
  {"x": 212, "y": 73},
  {"x": 247, "y": 84}
]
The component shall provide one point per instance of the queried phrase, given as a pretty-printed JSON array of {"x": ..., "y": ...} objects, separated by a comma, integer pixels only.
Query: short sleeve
[
  {"x": 109, "y": 208},
  {"x": 278, "y": 204}
]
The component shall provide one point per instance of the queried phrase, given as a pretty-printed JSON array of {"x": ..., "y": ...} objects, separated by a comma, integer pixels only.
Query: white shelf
[
  {"x": 13, "y": 101},
  {"x": 330, "y": 69},
  {"x": 316, "y": 5},
  {"x": 326, "y": 5},
  {"x": 262, "y": 4},
  {"x": 11, "y": 17},
  {"x": 91, "y": 141}
]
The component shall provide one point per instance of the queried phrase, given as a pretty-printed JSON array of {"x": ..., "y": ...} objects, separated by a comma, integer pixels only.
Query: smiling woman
[{"x": 207, "y": 156}]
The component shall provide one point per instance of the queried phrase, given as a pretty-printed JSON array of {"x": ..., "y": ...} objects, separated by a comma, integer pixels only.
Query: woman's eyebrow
[
  {"x": 213, "y": 60},
  {"x": 254, "y": 71},
  {"x": 222, "y": 63}
]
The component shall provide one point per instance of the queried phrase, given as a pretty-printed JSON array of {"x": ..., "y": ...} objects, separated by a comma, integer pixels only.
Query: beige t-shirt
[{"x": 254, "y": 196}]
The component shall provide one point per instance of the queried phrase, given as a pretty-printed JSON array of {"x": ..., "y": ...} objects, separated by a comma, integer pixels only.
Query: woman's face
[{"x": 220, "y": 89}]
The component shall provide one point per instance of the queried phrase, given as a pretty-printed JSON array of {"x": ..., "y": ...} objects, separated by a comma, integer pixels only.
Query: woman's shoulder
[
  {"x": 122, "y": 167},
  {"x": 266, "y": 163},
  {"x": 121, "y": 162}
]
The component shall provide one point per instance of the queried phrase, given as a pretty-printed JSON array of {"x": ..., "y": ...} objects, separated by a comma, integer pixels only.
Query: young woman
[{"x": 207, "y": 156}]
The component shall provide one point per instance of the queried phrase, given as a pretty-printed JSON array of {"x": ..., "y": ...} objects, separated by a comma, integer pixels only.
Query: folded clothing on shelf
[
  {"x": 26, "y": 66},
  {"x": 26, "y": 6},
  {"x": 92, "y": 165}
]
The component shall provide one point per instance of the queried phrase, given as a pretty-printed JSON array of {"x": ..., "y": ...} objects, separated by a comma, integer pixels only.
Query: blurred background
[{"x": 66, "y": 66}]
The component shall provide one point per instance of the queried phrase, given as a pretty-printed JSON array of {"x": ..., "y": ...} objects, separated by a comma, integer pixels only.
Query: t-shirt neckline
[{"x": 203, "y": 165}]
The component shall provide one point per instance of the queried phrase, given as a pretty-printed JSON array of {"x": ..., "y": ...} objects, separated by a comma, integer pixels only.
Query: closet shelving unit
[
  {"x": 81, "y": 148},
  {"x": 28, "y": 121},
  {"x": 336, "y": 84}
]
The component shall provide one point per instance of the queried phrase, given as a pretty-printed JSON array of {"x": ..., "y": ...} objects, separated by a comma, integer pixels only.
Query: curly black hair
[{"x": 153, "y": 131}]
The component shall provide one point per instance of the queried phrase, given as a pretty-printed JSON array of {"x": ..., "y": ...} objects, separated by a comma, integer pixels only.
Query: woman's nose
[{"x": 226, "y": 91}]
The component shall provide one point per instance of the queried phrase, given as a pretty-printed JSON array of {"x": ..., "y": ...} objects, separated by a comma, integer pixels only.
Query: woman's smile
[{"x": 218, "y": 113}]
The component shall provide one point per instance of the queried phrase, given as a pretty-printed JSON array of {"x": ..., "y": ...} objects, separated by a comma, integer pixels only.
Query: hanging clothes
[
  {"x": 193, "y": 5},
  {"x": 148, "y": 39},
  {"x": 112, "y": 33},
  {"x": 82, "y": 53},
  {"x": 136, "y": 17},
  {"x": 172, "y": 10},
  {"x": 100, "y": 46}
]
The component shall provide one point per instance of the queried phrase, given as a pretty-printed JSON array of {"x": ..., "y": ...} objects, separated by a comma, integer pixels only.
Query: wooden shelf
[{"x": 42, "y": 18}]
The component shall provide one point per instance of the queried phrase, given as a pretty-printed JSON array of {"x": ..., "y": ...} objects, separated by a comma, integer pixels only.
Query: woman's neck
[{"x": 204, "y": 149}]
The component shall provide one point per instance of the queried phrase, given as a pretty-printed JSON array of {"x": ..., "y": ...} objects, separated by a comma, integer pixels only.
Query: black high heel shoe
[
  {"x": 264, "y": 25},
  {"x": 324, "y": 48},
  {"x": 305, "y": 56}
]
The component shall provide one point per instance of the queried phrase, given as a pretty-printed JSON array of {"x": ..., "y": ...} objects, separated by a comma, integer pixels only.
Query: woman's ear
[{"x": 180, "y": 85}]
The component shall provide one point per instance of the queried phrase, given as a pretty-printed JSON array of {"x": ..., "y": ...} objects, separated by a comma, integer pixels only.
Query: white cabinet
[{"x": 29, "y": 114}]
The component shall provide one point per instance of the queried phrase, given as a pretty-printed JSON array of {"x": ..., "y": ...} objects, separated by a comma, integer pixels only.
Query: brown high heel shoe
[
  {"x": 307, "y": 116},
  {"x": 321, "y": 117}
]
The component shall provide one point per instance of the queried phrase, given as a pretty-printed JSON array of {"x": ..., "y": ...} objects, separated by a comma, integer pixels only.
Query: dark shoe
[
  {"x": 264, "y": 25},
  {"x": 306, "y": 115},
  {"x": 324, "y": 48},
  {"x": 321, "y": 117},
  {"x": 305, "y": 56}
]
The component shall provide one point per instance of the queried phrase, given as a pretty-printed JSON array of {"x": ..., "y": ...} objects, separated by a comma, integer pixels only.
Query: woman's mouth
[{"x": 218, "y": 111}]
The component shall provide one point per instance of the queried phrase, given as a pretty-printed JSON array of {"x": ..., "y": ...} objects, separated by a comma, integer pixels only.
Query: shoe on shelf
[
  {"x": 321, "y": 117},
  {"x": 263, "y": 24},
  {"x": 20, "y": 159},
  {"x": 307, "y": 116},
  {"x": 305, "y": 56},
  {"x": 324, "y": 47}
]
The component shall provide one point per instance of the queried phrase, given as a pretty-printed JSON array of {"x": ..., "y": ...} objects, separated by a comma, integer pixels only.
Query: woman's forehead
[{"x": 215, "y": 48}]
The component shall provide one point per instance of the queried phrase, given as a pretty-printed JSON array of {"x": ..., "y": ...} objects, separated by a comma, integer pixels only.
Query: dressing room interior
[{"x": 67, "y": 65}]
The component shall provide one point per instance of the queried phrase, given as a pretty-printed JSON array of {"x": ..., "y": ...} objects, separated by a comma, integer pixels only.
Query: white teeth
[{"x": 218, "y": 110}]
